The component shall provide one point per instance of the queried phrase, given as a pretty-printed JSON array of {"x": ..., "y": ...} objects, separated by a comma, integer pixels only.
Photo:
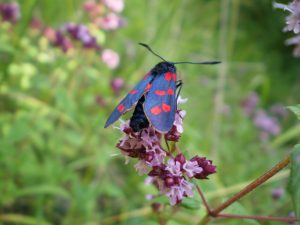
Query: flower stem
[
  {"x": 203, "y": 199},
  {"x": 269, "y": 218},
  {"x": 205, "y": 220},
  {"x": 253, "y": 185},
  {"x": 250, "y": 187}
]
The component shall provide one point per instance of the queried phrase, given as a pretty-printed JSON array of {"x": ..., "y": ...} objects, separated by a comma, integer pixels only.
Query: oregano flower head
[{"x": 170, "y": 172}]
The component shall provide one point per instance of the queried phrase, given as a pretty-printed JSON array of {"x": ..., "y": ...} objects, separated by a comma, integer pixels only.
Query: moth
[{"x": 154, "y": 96}]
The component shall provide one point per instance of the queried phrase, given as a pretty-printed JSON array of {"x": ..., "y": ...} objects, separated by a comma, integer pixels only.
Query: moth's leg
[{"x": 179, "y": 85}]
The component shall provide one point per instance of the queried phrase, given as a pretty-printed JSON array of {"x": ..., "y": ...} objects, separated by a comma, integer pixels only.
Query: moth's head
[{"x": 163, "y": 67}]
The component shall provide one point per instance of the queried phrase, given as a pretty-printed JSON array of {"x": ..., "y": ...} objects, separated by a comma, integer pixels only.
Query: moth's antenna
[
  {"x": 207, "y": 63},
  {"x": 148, "y": 47}
]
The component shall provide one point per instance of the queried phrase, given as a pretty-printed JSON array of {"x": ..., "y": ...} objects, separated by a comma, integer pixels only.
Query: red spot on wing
[
  {"x": 174, "y": 76},
  {"x": 156, "y": 110},
  {"x": 170, "y": 91},
  {"x": 166, "y": 107},
  {"x": 133, "y": 92},
  {"x": 121, "y": 108},
  {"x": 148, "y": 87},
  {"x": 160, "y": 92},
  {"x": 168, "y": 76}
]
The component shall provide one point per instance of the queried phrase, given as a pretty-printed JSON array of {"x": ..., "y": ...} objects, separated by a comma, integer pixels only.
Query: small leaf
[
  {"x": 295, "y": 109},
  {"x": 191, "y": 203},
  {"x": 294, "y": 180},
  {"x": 21, "y": 219},
  {"x": 27, "y": 8},
  {"x": 238, "y": 209},
  {"x": 288, "y": 135},
  {"x": 44, "y": 189},
  {"x": 161, "y": 199}
]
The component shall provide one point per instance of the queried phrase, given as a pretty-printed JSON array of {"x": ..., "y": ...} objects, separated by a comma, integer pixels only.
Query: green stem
[{"x": 219, "y": 97}]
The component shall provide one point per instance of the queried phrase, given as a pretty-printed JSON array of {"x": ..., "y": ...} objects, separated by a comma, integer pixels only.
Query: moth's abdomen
[{"x": 138, "y": 121}]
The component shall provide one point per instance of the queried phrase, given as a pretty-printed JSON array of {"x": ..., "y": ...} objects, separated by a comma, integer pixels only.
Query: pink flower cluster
[
  {"x": 110, "y": 58},
  {"x": 102, "y": 14},
  {"x": 171, "y": 174},
  {"x": 172, "y": 178},
  {"x": 81, "y": 33},
  {"x": 292, "y": 23},
  {"x": 267, "y": 124},
  {"x": 105, "y": 13}
]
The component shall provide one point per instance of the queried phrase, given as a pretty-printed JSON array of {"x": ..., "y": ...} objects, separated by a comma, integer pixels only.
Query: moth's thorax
[{"x": 163, "y": 67}]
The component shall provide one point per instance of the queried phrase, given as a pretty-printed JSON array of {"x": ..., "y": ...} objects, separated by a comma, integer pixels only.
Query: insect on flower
[{"x": 154, "y": 96}]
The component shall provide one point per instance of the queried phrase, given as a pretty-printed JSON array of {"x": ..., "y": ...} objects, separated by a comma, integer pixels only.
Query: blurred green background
[{"x": 58, "y": 165}]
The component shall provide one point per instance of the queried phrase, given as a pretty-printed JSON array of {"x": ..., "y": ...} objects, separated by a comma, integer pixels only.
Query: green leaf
[
  {"x": 191, "y": 203},
  {"x": 238, "y": 209},
  {"x": 294, "y": 180},
  {"x": 173, "y": 222},
  {"x": 295, "y": 109},
  {"x": 161, "y": 199},
  {"x": 43, "y": 107},
  {"x": 21, "y": 219},
  {"x": 44, "y": 189},
  {"x": 27, "y": 8},
  {"x": 285, "y": 137}
]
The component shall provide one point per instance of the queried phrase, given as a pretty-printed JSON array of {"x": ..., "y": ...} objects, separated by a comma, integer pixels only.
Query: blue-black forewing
[
  {"x": 160, "y": 105},
  {"x": 131, "y": 99}
]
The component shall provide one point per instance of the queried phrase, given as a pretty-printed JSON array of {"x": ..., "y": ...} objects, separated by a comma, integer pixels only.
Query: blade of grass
[{"x": 21, "y": 219}]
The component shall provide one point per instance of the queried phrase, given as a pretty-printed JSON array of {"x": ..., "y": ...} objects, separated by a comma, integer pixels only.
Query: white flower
[
  {"x": 173, "y": 167},
  {"x": 187, "y": 187},
  {"x": 181, "y": 100},
  {"x": 191, "y": 168},
  {"x": 178, "y": 122},
  {"x": 177, "y": 192},
  {"x": 142, "y": 167},
  {"x": 175, "y": 195},
  {"x": 293, "y": 20}
]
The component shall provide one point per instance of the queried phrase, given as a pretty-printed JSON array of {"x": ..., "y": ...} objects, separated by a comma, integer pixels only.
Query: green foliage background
[{"x": 59, "y": 166}]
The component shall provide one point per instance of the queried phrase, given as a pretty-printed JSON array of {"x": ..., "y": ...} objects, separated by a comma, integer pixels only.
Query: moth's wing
[
  {"x": 160, "y": 104},
  {"x": 131, "y": 99}
]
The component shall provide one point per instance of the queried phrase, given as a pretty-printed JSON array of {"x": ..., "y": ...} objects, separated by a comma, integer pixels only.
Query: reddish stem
[
  {"x": 203, "y": 199},
  {"x": 269, "y": 218},
  {"x": 250, "y": 187}
]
